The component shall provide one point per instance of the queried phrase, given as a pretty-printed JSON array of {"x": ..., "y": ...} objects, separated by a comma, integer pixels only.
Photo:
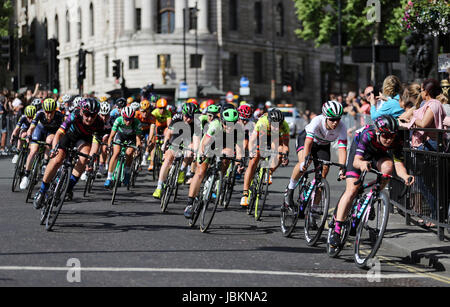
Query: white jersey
[{"x": 318, "y": 131}]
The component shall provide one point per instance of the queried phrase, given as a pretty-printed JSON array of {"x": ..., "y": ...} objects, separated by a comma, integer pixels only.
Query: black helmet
[
  {"x": 90, "y": 105},
  {"x": 189, "y": 109},
  {"x": 275, "y": 116},
  {"x": 386, "y": 124},
  {"x": 121, "y": 103}
]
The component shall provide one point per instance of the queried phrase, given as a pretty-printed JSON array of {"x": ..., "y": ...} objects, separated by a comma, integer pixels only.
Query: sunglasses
[
  {"x": 388, "y": 135},
  {"x": 89, "y": 114},
  {"x": 334, "y": 119},
  {"x": 128, "y": 119}
]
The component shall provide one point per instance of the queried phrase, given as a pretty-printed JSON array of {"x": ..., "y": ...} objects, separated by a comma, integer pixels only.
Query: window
[
  {"x": 166, "y": 16},
  {"x": 258, "y": 17},
  {"x": 234, "y": 64},
  {"x": 196, "y": 60},
  {"x": 91, "y": 19},
  {"x": 107, "y": 66},
  {"x": 133, "y": 62},
  {"x": 138, "y": 19},
  {"x": 258, "y": 67},
  {"x": 234, "y": 15},
  {"x": 67, "y": 27},
  {"x": 279, "y": 20},
  {"x": 79, "y": 24},
  {"x": 167, "y": 57},
  {"x": 192, "y": 18},
  {"x": 56, "y": 27},
  {"x": 68, "y": 73},
  {"x": 279, "y": 68}
]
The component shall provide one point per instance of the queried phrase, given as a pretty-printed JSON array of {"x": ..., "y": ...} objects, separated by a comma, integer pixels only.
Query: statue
[{"x": 419, "y": 55}]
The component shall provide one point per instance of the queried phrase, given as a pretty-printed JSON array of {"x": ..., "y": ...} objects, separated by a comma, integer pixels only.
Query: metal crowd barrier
[
  {"x": 428, "y": 198},
  {"x": 8, "y": 123}
]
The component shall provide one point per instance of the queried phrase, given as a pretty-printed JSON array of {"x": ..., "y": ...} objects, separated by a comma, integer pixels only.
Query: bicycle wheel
[
  {"x": 316, "y": 215},
  {"x": 263, "y": 191},
  {"x": 117, "y": 178},
  {"x": 33, "y": 176},
  {"x": 290, "y": 214},
  {"x": 229, "y": 187},
  {"x": 88, "y": 182},
  {"x": 333, "y": 251},
  {"x": 253, "y": 193},
  {"x": 168, "y": 188},
  {"x": 18, "y": 172},
  {"x": 59, "y": 195},
  {"x": 197, "y": 208},
  {"x": 212, "y": 201},
  {"x": 370, "y": 231}
]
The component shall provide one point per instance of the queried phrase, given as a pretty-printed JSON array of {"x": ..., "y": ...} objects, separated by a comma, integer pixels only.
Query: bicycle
[
  {"x": 19, "y": 169},
  {"x": 58, "y": 188},
  {"x": 93, "y": 167},
  {"x": 305, "y": 205},
  {"x": 158, "y": 156},
  {"x": 367, "y": 219},
  {"x": 119, "y": 171},
  {"x": 36, "y": 169},
  {"x": 171, "y": 185},
  {"x": 259, "y": 188},
  {"x": 230, "y": 181}
]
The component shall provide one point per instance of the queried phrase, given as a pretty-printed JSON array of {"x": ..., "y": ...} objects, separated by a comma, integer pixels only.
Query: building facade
[{"x": 167, "y": 41}]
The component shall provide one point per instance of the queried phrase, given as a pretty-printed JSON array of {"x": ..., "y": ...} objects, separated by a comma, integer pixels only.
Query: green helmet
[
  {"x": 30, "y": 111},
  {"x": 189, "y": 109},
  {"x": 49, "y": 105},
  {"x": 213, "y": 109},
  {"x": 230, "y": 115}
]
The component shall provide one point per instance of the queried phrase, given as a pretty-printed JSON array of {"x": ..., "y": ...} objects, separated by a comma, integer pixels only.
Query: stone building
[{"x": 231, "y": 38}]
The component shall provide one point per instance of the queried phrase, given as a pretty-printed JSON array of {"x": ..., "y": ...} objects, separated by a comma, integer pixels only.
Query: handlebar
[{"x": 380, "y": 174}]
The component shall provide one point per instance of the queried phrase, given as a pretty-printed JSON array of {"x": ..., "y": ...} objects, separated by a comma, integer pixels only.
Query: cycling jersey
[
  {"x": 49, "y": 126},
  {"x": 263, "y": 126},
  {"x": 318, "y": 132},
  {"x": 145, "y": 122},
  {"x": 23, "y": 123},
  {"x": 132, "y": 130},
  {"x": 75, "y": 129},
  {"x": 161, "y": 119},
  {"x": 176, "y": 127}
]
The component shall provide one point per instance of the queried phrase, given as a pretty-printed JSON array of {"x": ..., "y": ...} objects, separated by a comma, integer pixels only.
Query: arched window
[
  {"x": 79, "y": 26},
  {"x": 56, "y": 27},
  {"x": 91, "y": 19},
  {"x": 67, "y": 27},
  {"x": 166, "y": 16},
  {"x": 279, "y": 19}
]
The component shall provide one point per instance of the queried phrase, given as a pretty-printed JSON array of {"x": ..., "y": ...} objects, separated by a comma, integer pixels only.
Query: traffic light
[
  {"x": 7, "y": 51},
  {"x": 288, "y": 81},
  {"x": 53, "y": 62},
  {"x": 117, "y": 68},
  {"x": 81, "y": 64}
]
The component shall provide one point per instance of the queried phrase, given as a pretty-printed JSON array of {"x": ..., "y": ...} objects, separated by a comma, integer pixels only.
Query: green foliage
[
  {"x": 6, "y": 12},
  {"x": 319, "y": 21},
  {"x": 425, "y": 16}
]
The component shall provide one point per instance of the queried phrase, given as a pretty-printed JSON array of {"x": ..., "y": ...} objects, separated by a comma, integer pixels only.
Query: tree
[
  {"x": 6, "y": 12},
  {"x": 319, "y": 21}
]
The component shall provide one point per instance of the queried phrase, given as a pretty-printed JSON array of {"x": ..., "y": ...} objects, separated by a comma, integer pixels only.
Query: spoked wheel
[
  {"x": 18, "y": 172},
  {"x": 168, "y": 189},
  {"x": 229, "y": 187},
  {"x": 316, "y": 215},
  {"x": 33, "y": 178},
  {"x": 289, "y": 215},
  {"x": 370, "y": 231},
  {"x": 117, "y": 179},
  {"x": 253, "y": 193},
  {"x": 262, "y": 194},
  {"x": 333, "y": 251},
  {"x": 58, "y": 199},
  {"x": 213, "y": 192},
  {"x": 197, "y": 208}
]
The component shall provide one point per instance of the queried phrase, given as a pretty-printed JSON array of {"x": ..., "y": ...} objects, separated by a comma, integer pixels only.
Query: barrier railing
[
  {"x": 428, "y": 198},
  {"x": 7, "y": 124}
]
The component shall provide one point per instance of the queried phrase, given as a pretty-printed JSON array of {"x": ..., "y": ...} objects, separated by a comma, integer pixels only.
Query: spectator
[
  {"x": 365, "y": 104},
  {"x": 391, "y": 93},
  {"x": 444, "y": 100},
  {"x": 3, "y": 125},
  {"x": 409, "y": 101}
]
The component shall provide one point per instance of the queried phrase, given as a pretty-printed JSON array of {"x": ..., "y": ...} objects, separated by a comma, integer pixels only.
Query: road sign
[
  {"x": 245, "y": 82},
  {"x": 230, "y": 97},
  {"x": 184, "y": 89},
  {"x": 244, "y": 91},
  {"x": 444, "y": 62}
]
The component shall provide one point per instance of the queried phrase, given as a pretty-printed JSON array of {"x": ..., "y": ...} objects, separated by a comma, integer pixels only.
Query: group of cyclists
[{"x": 99, "y": 127}]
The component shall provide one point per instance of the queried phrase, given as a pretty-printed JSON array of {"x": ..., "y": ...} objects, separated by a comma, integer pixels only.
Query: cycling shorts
[{"x": 322, "y": 152}]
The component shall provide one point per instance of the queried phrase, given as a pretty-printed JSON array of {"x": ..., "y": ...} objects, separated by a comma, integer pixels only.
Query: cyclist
[
  {"x": 218, "y": 128},
  {"x": 379, "y": 146},
  {"x": 174, "y": 134},
  {"x": 163, "y": 118},
  {"x": 81, "y": 129},
  {"x": 316, "y": 140},
  {"x": 147, "y": 120},
  {"x": 22, "y": 127},
  {"x": 126, "y": 128},
  {"x": 120, "y": 104},
  {"x": 37, "y": 103},
  {"x": 42, "y": 128},
  {"x": 275, "y": 128},
  {"x": 104, "y": 114}
]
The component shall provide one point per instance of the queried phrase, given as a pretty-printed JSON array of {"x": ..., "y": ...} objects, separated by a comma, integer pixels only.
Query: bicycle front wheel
[
  {"x": 214, "y": 191},
  {"x": 370, "y": 231},
  {"x": 117, "y": 178},
  {"x": 58, "y": 198},
  {"x": 316, "y": 214},
  {"x": 263, "y": 191},
  {"x": 290, "y": 214},
  {"x": 18, "y": 170}
]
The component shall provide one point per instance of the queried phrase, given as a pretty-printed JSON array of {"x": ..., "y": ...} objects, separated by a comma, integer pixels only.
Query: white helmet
[
  {"x": 65, "y": 98},
  {"x": 332, "y": 110},
  {"x": 75, "y": 103},
  {"x": 105, "y": 108},
  {"x": 135, "y": 106}
]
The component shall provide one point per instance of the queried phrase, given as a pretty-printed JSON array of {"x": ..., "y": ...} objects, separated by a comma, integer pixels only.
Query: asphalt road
[{"x": 133, "y": 244}]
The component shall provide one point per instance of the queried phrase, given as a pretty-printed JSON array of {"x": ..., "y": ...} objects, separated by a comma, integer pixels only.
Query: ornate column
[
  {"x": 179, "y": 9},
  {"x": 148, "y": 15},
  {"x": 203, "y": 16},
  {"x": 129, "y": 13}
]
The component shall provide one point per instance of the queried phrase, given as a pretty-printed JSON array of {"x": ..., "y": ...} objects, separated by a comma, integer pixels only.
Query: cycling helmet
[
  {"x": 171, "y": 109},
  {"x": 386, "y": 124},
  {"x": 228, "y": 106},
  {"x": 245, "y": 112},
  {"x": 103, "y": 99},
  {"x": 65, "y": 98},
  {"x": 105, "y": 108},
  {"x": 135, "y": 105},
  {"x": 229, "y": 115},
  {"x": 30, "y": 111},
  {"x": 49, "y": 105},
  {"x": 332, "y": 110},
  {"x": 154, "y": 98},
  {"x": 161, "y": 103},
  {"x": 75, "y": 103},
  {"x": 145, "y": 105},
  {"x": 37, "y": 102},
  {"x": 192, "y": 100},
  {"x": 189, "y": 109},
  {"x": 130, "y": 100},
  {"x": 121, "y": 103},
  {"x": 90, "y": 105},
  {"x": 203, "y": 105},
  {"x": 275, "y": 116},
  {"x": 128, "y": 113},
  {"x": 213, "y": 109}
]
